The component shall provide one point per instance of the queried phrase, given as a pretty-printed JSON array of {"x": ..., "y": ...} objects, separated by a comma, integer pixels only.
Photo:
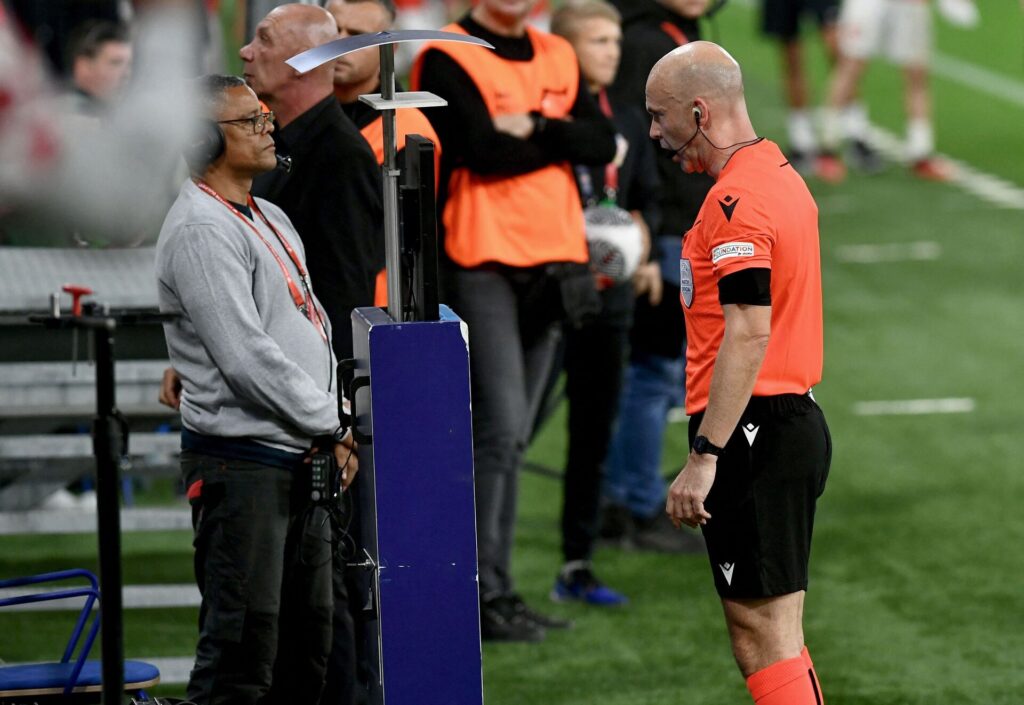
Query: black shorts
[
  {"x": 781, "y": 18},
  {"x": 769, "y": 477}
]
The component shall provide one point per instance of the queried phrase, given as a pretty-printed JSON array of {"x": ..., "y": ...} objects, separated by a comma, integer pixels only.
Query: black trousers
[
  {"x": 594, "y": 358},
  {"x": 263, "y": 566}
]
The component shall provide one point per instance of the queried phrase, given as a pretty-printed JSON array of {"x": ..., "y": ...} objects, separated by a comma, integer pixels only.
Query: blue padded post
[{"x": 417, "y": 508}]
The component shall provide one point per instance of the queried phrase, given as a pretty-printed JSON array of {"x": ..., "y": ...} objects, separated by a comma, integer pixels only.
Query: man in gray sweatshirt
[{"x": 252, "y": 348}]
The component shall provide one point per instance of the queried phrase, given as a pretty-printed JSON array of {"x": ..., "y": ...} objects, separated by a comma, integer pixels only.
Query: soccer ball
[{"x": 615, "y": 242}]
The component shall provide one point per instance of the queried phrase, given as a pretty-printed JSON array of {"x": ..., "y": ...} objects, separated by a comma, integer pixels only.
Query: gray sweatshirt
[{"x": 251, "y": 364}]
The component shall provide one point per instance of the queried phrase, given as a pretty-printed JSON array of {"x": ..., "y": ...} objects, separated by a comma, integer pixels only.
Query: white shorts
[{"x": 900, "y": 30}]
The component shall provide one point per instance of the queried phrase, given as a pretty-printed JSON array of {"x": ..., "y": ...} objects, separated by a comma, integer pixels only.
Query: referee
[{"x": 750, "y": 285}]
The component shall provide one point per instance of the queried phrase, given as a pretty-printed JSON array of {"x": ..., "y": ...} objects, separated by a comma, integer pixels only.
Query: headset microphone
[{"x": 697, "y": 115}]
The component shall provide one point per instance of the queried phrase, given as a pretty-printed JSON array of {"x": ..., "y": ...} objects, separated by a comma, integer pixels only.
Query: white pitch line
[
  {"x": 922, "y": 251},
  {"x": 134, "y": 597},
  {"x": 977, "y": 78},
  {"x": 63, "y": 521},
  {"x": 173, "y": 671},
  {"x": 914, "y": 407},
  {"x": 677, "y": 415},
  {"x": 987, "y": 187}
]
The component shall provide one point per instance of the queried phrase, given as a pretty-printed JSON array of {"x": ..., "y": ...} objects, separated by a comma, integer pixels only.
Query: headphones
[
  {"x": 697, "y": 115},
  {"x": 206, "y": 147}
]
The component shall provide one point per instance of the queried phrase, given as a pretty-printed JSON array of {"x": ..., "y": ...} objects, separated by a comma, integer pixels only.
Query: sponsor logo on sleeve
[{"x": 732, "y": 249}]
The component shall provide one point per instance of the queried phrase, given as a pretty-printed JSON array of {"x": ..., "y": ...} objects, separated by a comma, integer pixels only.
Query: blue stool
[{"x": 73, "y": 674}]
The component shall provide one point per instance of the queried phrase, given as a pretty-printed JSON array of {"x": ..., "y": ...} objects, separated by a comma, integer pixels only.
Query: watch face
[{"x": 702, "y": 445}]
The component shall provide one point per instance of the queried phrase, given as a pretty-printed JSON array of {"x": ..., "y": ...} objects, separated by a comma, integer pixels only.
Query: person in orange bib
[
  {"x": 750, "y": 287},
  {"x": 358, "y": 74},
  {"x": 516, "y": 120}
]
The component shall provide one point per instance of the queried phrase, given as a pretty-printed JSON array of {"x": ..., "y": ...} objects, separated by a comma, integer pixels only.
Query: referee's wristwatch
[{"x": 702, "y": 446}]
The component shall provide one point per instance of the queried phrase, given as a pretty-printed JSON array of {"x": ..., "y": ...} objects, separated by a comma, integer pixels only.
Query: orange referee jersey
[{"x": 759, "y": 214}]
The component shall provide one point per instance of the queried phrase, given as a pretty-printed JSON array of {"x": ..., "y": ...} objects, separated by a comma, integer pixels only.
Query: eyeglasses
[{"x": 259, "y": 122}]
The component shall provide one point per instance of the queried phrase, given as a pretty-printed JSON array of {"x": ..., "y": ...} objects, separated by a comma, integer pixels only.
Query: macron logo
[
  {"x": 727, "y": 569},
  {"x": 750, "y": 431},
  {"x": 732, "y": 249}
]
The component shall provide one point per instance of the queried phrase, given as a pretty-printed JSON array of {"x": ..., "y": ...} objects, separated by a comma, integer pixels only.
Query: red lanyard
[
  {"x": 611, "y": 169},
  {"x": 303, "y": 298},
  {"x": 673, "y": 31}
]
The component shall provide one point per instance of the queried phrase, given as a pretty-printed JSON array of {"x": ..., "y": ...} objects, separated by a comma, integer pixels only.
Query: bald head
[
  {"x": 695, "y": 98},
  {"x": 303, "y": 26},
  {"x": 286, "y": 31},
  {"x": 699, "y": 70}
]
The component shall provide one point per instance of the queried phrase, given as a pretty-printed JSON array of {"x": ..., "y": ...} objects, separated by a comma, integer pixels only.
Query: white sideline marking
[
  {"x": 173, "y": 671},
  {"x": 987, "y": 187},
  {"x": 134, "y": 597},
  {"x": 978, "y": 78},
  {"x": 677, "y": 415},
  {"x": 889, "y": 252},
  {"x": 960, "y": 405},
  {"x": 79, "y": 521}
]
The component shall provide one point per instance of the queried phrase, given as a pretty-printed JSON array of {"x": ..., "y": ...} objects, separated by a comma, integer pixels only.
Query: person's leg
[
  {"x": 594, "y": 358},
  {"x": 240, "y": 516},
  {"x": 760, "y": 558},
  {"x": 487, "y": 301},
  {"x": 306, "y": 626},
  {"x": 803, "y": 144},
  {"x": 768, "y": 644}
]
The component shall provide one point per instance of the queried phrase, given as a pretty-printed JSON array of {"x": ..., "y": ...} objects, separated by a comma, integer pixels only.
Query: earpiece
[
  {"x": 697, "y": 115},
  {"x": 206, "y": 148}
]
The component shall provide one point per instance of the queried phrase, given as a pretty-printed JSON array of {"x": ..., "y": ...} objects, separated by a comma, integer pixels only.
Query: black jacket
[
  {"x": 644, "y": 42},
  {"x": 333, "y": 197}
]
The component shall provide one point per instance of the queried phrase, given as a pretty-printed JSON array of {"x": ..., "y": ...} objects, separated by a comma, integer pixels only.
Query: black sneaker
[
  {"x": 544, "y": 621},
  {"x": 658, "y": 534},
  {"x": 864, "y": 158},
  {"x": 616, "y": 524},
  {"x": 501, "y": 620},
  {"x": 803, "y": 162}
]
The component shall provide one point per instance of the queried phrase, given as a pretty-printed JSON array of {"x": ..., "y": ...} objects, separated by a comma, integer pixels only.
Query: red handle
[{"x": 77, "y": 291}]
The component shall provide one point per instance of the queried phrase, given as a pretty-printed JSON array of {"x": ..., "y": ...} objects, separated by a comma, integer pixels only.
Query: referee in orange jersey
[{"x": 750, "y": 285}]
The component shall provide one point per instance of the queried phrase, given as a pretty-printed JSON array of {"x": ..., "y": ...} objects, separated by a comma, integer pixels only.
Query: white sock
[
  {"x": 801, "y": 132},
  {"x": 920, "y": 139},
  {"x": 569, "y": 568},
  {"x": 831, "y": 130},
  {"x": 855, "y": 121}
]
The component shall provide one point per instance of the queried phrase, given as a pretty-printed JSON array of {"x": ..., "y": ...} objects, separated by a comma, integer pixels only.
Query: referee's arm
[{"x": 747, "y": 329}]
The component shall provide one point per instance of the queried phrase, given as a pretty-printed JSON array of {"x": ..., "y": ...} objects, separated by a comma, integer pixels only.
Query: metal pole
[
  {"x": 107, "y": 447},
  {"x": 390, "y": 174}
]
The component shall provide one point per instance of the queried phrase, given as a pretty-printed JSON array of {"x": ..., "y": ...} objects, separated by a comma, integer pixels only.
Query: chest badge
[{"x": 685, "y": 282}]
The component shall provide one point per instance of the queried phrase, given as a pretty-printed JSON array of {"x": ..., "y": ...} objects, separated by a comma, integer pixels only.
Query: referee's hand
[{"x": 685, "y": 503}]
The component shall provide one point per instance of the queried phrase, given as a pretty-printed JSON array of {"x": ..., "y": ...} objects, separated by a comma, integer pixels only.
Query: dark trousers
[
  {"x": 263, "y": 566},
  {"x": 594, "y": 358},
  {"x": 512, "y": 316}
]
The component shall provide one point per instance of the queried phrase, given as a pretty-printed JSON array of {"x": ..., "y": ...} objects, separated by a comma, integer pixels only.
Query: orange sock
[
  {"x": 806, "y": 656},
  {"x": 787, "y": 682}
]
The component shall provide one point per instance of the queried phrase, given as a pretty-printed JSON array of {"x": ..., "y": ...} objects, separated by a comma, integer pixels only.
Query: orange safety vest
[
  {"x": 408, "y": 121},
  {"x": 526, "y": 219}
]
